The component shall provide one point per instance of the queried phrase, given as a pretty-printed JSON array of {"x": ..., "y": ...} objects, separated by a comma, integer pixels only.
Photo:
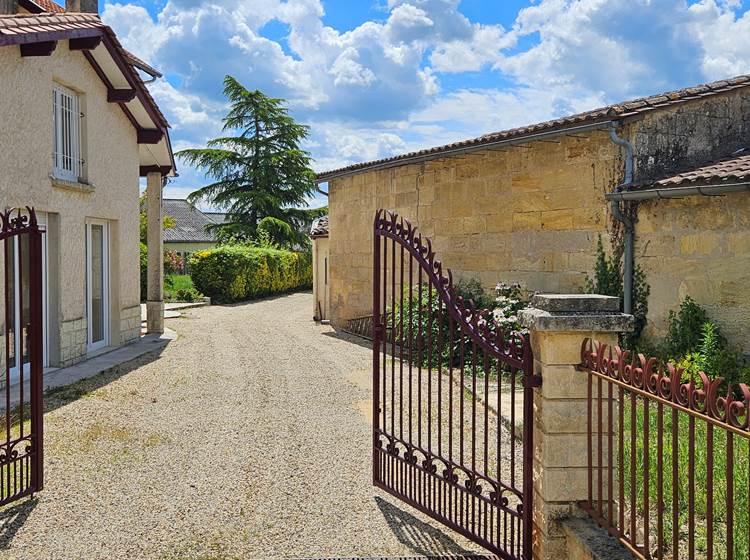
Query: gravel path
[{"x": 249, "y": 437}]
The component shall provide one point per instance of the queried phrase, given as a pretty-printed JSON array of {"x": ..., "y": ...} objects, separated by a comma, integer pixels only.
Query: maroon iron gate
[
  {"x": 21, "y": 447},
  {"x": 437, "y": 364}
]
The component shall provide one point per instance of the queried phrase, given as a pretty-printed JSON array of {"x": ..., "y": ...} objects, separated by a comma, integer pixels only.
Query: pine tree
[{"x": 262, "y": 171}]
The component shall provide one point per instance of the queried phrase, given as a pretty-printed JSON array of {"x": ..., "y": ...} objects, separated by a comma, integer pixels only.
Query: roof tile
[
  {"x": 632, "y": 107},
  {"x": 735, "y": 167}
]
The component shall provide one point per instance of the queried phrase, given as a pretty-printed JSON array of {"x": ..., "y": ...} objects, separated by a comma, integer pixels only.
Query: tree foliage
[{"x": 258, "y": 168}]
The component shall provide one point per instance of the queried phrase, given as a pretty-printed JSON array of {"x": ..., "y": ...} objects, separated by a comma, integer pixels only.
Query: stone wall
[
  {"x": 130, "y": 324},
  {"x": 532, "y": 214},
  {"x": 698, "y": 246},
  {"x": 529, "y": 214}
]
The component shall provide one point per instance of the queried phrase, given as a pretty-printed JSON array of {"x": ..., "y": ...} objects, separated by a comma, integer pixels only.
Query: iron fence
[{"x": 667, "y": 456}]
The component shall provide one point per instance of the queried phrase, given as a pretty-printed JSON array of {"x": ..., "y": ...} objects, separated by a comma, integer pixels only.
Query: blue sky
[{"x": 374, "y": 78}]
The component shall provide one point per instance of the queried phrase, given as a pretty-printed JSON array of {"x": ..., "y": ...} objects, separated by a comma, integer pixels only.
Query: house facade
[
  {"x": 320, "y": 256},
  {"x": 84, "y": 130},
  {"x": 192, "y": 229},
  {"x": 529, "y": 204}
]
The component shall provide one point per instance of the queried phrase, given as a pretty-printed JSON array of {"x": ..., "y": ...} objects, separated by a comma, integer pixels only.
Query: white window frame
[
  {"x": 67, "y": 163},
  {"x": 104, "y": 342}
]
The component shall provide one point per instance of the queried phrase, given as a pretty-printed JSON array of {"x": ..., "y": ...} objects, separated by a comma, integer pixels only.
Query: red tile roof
[
  {"x": 603, "y": 114},
  {"x": 731, "y": 169},
  {"x": 49, "y": 5},
  {"x": 32, "y": 24},
  {"x": 24, "y": 28}
]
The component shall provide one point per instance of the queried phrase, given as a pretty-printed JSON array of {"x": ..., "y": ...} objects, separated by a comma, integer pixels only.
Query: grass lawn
[
  {"x": 179, "y": 282},
  {"x": 719, "y": 477}
]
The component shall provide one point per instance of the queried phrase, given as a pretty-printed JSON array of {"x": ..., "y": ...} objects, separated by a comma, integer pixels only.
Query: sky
[{"x": 375, "y": 78}]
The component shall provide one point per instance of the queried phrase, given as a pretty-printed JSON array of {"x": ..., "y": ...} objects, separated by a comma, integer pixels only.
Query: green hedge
[
  {"x": 238, "y": 273},
  {"x": 144, "y": 271}
]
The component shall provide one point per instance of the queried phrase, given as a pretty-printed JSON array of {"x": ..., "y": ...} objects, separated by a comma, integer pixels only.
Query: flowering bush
[
  {"x": 436, "y": 337},
  {"x": 508, "y": 302},
  {"x": 173, "y": 262}
]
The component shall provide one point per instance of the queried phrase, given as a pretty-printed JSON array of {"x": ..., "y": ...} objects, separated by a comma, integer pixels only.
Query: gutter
[
  {"x": 679, "y": 192},
  {"x": 629, "y": 264},
  {"x": 419, "y": 158}
]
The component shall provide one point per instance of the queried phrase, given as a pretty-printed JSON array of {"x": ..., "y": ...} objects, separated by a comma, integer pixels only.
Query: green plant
[
  {"x": 232, "y": 273},
  {"x": 144, "y": 271},
  {"x": 685, "y": 329},
  {"x": 188, "y": 296},
  {"x": 697, "y": 344},
  {"x": 608, "y": 281},
  {"x": 472, "y": 289}
]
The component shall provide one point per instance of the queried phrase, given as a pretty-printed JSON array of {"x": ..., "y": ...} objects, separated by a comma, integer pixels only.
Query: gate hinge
[{"x": 532, "y": 381}]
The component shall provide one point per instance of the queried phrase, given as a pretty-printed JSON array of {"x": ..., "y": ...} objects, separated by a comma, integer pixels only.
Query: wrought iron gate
[
  {"x": 436, "y": 363},
  {"x": 21, "y": 446}
]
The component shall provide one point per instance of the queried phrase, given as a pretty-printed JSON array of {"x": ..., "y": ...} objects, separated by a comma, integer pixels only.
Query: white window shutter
[{"x": 67, "y": 135}]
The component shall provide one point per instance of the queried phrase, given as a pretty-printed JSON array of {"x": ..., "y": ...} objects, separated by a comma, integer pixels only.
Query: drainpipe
[{"x": 626, "y": 222}]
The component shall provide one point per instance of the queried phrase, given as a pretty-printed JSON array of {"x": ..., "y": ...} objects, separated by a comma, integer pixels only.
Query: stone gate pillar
[{"x": 558, "y": 325}]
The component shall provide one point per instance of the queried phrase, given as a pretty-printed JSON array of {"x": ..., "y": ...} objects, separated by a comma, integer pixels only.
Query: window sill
[{"x": 71, "y": 185}]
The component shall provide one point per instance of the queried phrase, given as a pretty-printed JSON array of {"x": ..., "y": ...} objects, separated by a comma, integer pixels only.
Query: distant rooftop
[{"x": 190, "y": 223}]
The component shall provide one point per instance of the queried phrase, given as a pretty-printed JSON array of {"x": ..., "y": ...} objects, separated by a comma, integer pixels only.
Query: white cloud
[{"x": 378, "y": 89}]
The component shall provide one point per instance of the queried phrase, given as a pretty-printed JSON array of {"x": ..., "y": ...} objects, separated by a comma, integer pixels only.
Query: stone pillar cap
[
  {"x": 575, "y": 302},
  {"x": 576, "y": 313}
]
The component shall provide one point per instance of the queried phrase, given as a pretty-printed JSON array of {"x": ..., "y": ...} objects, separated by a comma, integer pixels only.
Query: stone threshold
[{"x": 102, "y": 361}]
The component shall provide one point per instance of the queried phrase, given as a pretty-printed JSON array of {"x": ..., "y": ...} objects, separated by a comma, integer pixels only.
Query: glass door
[
  {"x": 97, "y": 284},
  {"x": 19, "y": 308}
]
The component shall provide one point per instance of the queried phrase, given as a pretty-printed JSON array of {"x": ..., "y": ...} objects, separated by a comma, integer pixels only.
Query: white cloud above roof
[{"x": 393, "y": 84}]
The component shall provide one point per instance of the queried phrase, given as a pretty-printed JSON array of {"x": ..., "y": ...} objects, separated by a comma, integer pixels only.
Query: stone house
[
  {"x": 192, "y": 228},
  {"x": 528, "y": 204},
  {"x": 84, "y": 131}
]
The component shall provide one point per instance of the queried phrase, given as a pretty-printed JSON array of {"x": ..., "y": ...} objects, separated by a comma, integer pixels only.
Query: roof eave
[{"x": 439, "y": 153}]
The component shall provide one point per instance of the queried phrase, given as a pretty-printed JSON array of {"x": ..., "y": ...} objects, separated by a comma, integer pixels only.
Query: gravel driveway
[{"x": 249, "y": 437}]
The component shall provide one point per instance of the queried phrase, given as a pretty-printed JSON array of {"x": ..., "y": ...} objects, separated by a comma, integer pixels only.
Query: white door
[
  {"x": 19, "y": 292},
  {"x": 97, "y": 284}
]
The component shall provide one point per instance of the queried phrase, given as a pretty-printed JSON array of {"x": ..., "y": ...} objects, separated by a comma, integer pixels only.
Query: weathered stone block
[{"x": 527, "y": 220}]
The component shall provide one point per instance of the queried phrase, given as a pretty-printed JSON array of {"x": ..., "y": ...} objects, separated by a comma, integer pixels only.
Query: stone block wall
[
  {"x": 532, "y": 214},
  {"x": 698, "y": 247},
  {"x": 73, "y": 336},
  {"x": 527, "y": 214},
  {"x": 130, "y": 324}
]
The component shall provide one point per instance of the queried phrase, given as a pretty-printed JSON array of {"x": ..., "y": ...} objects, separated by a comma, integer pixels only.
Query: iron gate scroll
[
  {"x": 21, "y": 471},
  {"x": 435, "y": 359}
]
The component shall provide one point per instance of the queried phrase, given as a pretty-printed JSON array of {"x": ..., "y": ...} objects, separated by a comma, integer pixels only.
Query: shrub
[
  {"x": 608, "y": 281},
  {"x": 697, "y": 344},
  {"x": 472, "y": 289},
  {"x": 233, "y": 273},
  {"x": 186, "y": 295},
  {"x": 144, "y": 271},
  {"x": 432, "y": 330},
  {"x": 685, "y": 329}
]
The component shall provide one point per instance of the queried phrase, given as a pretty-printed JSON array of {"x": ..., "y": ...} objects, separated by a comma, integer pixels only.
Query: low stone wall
[
  {"x": 585, "y": 540},
  {"x": 73, "y": 335},
  {"x": 130, "y": 324}
]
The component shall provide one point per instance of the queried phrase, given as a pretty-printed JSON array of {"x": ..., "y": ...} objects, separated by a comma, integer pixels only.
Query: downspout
[{"x": 629, "y": 239}]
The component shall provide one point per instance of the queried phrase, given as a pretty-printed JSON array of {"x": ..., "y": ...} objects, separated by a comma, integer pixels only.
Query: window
[{"x": 66, "y": 158}]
